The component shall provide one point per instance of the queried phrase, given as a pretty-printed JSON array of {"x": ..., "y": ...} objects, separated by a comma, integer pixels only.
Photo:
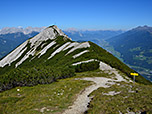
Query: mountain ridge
[
  {"x": 52, "y": 49},
  {"x": 13, "y": 38}
]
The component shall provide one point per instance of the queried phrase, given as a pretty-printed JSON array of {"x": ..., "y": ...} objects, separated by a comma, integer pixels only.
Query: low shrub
[{"x": 33, "y": 76}]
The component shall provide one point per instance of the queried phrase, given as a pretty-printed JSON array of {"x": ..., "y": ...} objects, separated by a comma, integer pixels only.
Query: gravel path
[{"x": 82, "y": 101}]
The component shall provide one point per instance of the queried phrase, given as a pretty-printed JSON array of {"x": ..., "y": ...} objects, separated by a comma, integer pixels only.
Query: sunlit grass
[
  {"x": 58, "y": 96},
  {"x": 49, "y": 98},
  {"x": 133, "y": 98}
]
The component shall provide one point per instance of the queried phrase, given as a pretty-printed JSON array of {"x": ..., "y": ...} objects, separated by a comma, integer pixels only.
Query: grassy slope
[
  {"x": 134, "y": 98},
  {"x": 56, "y": 97},
  {"x": 33, "y": 99}
]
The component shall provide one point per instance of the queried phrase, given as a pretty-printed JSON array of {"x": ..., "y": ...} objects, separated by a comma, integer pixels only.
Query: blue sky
[{"x": 80, "y": 14}]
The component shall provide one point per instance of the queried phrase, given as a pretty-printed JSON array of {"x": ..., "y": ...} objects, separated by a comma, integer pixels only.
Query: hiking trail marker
[{"x": 134, "y": 74}]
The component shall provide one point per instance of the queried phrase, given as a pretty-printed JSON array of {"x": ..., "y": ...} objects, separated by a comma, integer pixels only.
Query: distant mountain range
[
  {"x": 27, "y": 30},
  {"x": 135, "y": 47},
  {"x": 91, "y": 34}
]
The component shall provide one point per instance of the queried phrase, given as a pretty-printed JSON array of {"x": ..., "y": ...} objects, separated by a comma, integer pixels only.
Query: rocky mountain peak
[{"x": 51, "y": 32}]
